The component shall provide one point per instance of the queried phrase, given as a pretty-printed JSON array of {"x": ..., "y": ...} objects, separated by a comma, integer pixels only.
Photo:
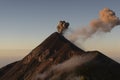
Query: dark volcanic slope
[
  {"x": 5, "y": 69},
  {"x": 54, "y": 50},
  {"x": 101, "y": 68}
]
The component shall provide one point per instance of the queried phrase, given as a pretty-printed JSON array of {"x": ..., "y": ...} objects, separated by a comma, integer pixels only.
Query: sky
[{"x": 24, "y": 24}]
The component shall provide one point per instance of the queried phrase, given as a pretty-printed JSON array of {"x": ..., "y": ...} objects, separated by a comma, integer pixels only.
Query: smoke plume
[
  {"x": 105, "y": 23},
  {"x": 56, "y": 71},
  {"x": 62, "y": 26}
]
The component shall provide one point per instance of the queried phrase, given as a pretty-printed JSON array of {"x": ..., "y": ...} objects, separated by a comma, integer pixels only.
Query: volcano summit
[{"x": 56, "y": 58}]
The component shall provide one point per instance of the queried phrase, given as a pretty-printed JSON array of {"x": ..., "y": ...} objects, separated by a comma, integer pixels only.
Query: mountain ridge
[{"x": 54, "y": 50}]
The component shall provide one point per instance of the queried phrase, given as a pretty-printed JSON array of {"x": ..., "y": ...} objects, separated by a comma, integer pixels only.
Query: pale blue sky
[
  {"x": 24, "y": 24},
  {"x": 28, "y": 22}
]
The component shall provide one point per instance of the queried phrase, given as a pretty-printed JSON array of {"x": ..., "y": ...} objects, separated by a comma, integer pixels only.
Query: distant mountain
[{"x": 56, "y": 50}]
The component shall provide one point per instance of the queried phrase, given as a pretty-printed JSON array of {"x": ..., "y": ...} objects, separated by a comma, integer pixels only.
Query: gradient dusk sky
[{"x": 24, "y": 24}]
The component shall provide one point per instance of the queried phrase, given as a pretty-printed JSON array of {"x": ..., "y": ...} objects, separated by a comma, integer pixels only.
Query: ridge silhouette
[{"x": 57, "y": 49}]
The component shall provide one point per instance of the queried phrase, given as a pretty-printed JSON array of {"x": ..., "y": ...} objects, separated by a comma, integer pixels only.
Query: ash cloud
[
  {"x": 62, "y": 26},
  {"x": 105, "y": 23}
]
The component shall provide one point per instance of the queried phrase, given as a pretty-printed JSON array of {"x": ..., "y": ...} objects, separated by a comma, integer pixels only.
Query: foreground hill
[{"x": 55, "y": 51}]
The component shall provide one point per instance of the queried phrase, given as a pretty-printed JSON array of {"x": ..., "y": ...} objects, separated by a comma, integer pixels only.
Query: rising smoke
[
  {"x": 55, "y": 72},
  {"x": 105, "y": 23},
  {"x": 62, "y": 26}
]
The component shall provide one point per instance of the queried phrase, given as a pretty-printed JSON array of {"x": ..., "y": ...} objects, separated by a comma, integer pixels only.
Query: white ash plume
[{"x": 105, "y": 23}]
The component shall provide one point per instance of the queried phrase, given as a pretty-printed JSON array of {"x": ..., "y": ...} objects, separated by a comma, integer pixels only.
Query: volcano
[{"x": 56, "y": 49}]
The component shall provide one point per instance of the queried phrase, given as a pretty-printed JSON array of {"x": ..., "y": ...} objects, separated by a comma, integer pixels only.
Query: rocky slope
[{"x": 56, "y": 50}]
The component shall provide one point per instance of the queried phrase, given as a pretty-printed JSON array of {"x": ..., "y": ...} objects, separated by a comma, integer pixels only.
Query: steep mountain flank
[{"x": 56, "y": 50}]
